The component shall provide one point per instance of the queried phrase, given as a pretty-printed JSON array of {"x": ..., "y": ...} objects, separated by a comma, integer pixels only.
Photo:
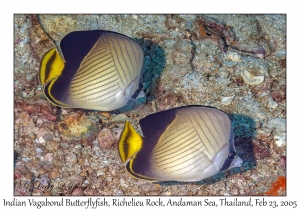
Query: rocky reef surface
[{"x": 236, "y": 63}]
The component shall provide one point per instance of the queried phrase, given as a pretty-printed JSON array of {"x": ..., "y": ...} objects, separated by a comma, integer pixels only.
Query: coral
[
  {"x": 39, "y": 107},
  {"x": 278, "y": 186},
  {"x": 106, "y": 138},
  {"x": 224, "y": 32},
  {"x": 279, "y": 95},
  {"x": 77, "y": 125},
  {"x": 251, "y": 79}
]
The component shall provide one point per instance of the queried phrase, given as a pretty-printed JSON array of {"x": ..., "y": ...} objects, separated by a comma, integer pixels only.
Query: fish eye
[{"x": 232, "y": 155}]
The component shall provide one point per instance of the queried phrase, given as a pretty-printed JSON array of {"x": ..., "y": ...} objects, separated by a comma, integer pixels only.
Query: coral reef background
[{"x": 236, "y": 63}]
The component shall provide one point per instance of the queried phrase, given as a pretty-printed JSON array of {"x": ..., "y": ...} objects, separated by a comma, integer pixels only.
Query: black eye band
[
  {"x": 136, "y": 93},
  {"x": 232, "y": 155},
  {"x": 228, "y": 161}
]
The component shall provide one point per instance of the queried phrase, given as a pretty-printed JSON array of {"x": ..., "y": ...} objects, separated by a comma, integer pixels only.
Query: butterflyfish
[
  {"x": 186, "y": 144},
  {"x": 101, "y": 70}
]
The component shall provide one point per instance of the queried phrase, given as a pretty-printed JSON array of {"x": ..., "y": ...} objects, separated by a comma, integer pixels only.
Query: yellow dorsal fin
[
  {"x": 130, "y": 142},
  {"x": 51, "y": 66}
]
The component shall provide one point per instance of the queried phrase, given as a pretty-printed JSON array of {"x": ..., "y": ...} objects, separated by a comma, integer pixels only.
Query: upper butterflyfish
[{"x": 101, "y": 70}]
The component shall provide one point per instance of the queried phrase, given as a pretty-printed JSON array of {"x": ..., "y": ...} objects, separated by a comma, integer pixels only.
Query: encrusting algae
[
  {"x": 278, "y": 185},
  {"x": 76, "y": 125}
]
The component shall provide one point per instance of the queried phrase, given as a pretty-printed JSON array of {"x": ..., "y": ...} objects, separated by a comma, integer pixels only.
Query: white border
[{"x": 153, "y": 6}]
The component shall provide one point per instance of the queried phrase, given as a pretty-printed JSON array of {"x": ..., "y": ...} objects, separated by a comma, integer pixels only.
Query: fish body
[
  {"x": 101, "y": 70},
  {"x": 181, "y": 144}
]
